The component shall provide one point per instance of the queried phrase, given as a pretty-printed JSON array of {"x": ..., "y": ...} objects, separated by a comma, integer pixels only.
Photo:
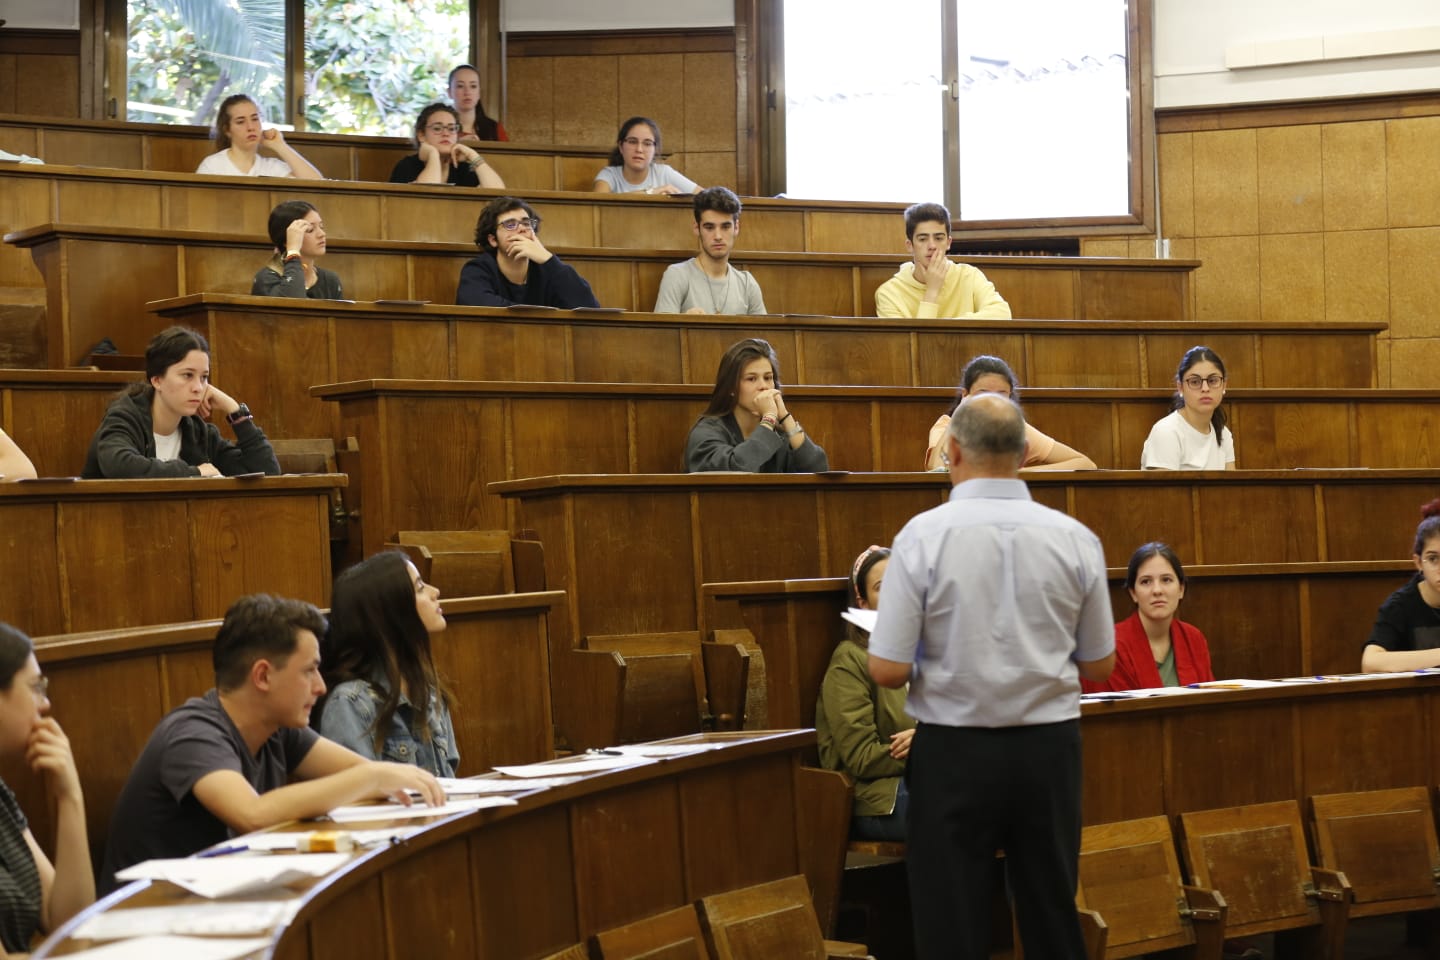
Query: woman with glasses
[
  {"x": 987, "y": 374},
  {"x": 633, "y": 167},
  {"x": 1406, "y": 635},
  {"x": 1194, "y": 435},
  {"x": 441, "y": 157},
  {"x": 514, "y": 266},
  {"x": 37, "y": 894}
]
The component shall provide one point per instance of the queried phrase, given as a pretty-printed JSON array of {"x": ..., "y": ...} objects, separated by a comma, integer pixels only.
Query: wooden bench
[
  {"x": 775, "y": 919},
  {"x": 144, "y": 264},
  {"x": 672, "y": 935},
  {"x": 111, "y": 687},
  {"x": 101, "y": 554},
  {"x": 1261, "y": 620},
  {"x": 472, "y": 563},
  {"x": 1130, "y": 878},
  {"x": 1384, "y": 843},
  {"x": 1255, "y": 857}
]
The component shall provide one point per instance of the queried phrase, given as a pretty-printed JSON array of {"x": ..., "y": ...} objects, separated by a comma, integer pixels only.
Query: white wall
[
  {"x": 523, "y": 16},
  {"x": 1192, "y": 37},
  {"x": 41, "y": 14}
]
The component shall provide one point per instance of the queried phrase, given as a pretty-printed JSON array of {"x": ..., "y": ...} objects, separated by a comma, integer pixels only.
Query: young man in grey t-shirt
[{"x": 708, "y": 283}]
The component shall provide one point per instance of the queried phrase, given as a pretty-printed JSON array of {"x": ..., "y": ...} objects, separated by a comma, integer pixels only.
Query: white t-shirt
[
  {"x": 167, "y": 447},
  {"x": 1175, "y": 445},
  {"x": 218, "y": 164},
  {"x": 659, "y": 175}
]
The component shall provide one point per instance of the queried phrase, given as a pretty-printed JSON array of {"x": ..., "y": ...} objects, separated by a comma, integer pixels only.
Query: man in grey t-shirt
[{"x": 708, "y": 283}]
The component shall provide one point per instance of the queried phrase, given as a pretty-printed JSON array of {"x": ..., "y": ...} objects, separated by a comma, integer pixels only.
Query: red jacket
[{"x": 1135, "y": 665}]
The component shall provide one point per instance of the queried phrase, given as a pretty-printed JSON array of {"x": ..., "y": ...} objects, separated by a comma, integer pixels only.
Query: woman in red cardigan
[{"x": 1153, "y": 647}]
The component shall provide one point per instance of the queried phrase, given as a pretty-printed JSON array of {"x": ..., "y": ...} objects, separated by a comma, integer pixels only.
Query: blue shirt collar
[{"x": 994, "y": 488}]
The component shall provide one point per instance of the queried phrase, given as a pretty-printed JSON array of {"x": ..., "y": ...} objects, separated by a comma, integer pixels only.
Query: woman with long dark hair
[
  {"x": 386, "y": 701},
  {"x": 158, "y": 428},
  {"x": 1194, "y": 435},
  {"x": 440, "y": 157},
  {"x": 298, "y": 235},
  {"x": 747, "y": 426},
  {"x": 632, "y": 163},
  {"x": 1406, "y": 634},
  {"x": 475, "y": 124}
]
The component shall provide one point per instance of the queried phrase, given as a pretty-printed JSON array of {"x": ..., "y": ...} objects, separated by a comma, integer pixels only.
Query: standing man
[
  {"x": 243, "y": 757},
  {"x": 994, "y": 607},
  {"x": 514, "y": 266},
  {"x": 707, "y": 283},
  {"x": 933, "y": 285}
]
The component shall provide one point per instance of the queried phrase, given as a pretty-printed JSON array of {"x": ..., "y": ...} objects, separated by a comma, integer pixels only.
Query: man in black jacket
[{"x": 514, "y": 266}]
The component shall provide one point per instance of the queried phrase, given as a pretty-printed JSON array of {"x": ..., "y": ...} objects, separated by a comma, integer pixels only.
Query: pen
[
  {"x": 1215, "y": 686},
  {"x": 224, "y": 851},
  {"x": 605, "y": 753}
]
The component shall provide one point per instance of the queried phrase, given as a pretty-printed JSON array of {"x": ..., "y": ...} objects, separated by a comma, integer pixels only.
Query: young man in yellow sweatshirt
[{"x": 932, "y": 285}]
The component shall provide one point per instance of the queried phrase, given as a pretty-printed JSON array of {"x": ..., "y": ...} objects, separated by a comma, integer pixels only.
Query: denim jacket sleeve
[{"x": 349, "y": 718}]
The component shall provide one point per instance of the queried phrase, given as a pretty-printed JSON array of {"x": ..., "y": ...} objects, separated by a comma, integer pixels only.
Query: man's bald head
[{"x": 990, "y": 431}]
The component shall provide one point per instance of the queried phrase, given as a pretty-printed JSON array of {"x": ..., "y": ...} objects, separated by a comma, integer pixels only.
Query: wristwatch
[{"x": 241, "y": 414}]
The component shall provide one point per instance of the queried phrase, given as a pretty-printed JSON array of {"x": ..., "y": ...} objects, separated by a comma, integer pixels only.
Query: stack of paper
[{"x": 229, "y": 876}]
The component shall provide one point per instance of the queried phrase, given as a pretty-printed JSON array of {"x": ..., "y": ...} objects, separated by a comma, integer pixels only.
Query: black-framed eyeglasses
[
  {"x": 444, "y": 128},
  {"x": 1215, "y": 381}
]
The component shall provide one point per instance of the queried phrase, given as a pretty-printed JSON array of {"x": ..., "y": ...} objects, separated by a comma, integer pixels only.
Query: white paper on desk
[
  {"x": 1237, "y": 684},
  {"x": 362, "y": 838},
  {"x": 175, "y": 948},
  {"x": 212, "y": 877},
  {"x": 492, "y": 785},
  {"x": 396, "y": 811},
  {"x": 864, "y": 619},
  {"x": 225, "y": 918},
  {"x": 580, "y": 763},
  {"x": 662, "y": 750}
]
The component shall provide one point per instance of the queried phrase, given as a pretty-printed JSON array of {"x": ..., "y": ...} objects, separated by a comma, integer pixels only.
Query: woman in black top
[
  {"x": 158, "y": 429},
  {"x": 1406, "y": 635},
  {"x": 298, "y": 234},
  {"x": 441, "y": 157},
  {"x": 35, "y": 894}
]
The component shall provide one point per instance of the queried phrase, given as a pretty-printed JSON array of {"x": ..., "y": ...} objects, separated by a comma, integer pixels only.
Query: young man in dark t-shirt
[{"x": 222, "y": 764}]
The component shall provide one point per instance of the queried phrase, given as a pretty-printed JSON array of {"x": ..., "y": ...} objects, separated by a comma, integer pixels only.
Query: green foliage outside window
[{"x": 369, "y": 67}]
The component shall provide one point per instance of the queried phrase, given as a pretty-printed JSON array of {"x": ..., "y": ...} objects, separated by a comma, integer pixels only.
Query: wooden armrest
[
  {"x": 1205, "y": 905},
  {"x": 840, "y": 950},
  {"x": 1331, "y": 885}
]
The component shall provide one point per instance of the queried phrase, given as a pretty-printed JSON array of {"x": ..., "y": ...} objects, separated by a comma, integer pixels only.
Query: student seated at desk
[
  {"x": 931, "y": 284},
  {"x": 441, "y": 157},
  {"x": 475, "y": 123},
  {"x": 386, "y": 700},
  {"x": 240, "y": 135},
  {"x": 514, "y": 267},
  {"x": 986, "y": 374},
  {"x": 1406, "y": 634},
  {"x": 708, "y": 283},
  {"x": 861, "y": 727},
  {"x": 298, "y": 235},
  {"x": 1153, "y": 646},
  {"x": 14, "y": 465},
  {"x": 158, "y": 428},
  {"x": 222, "y": 764},
  {"x": 633, "y": 168},
  {"x": 747, "y": 427},
  {"x": 37, "y": 895},
  {"x": 1194, "y": 436}
]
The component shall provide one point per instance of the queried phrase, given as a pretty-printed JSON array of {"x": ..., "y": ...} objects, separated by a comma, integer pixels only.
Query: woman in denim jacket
[{"x": 385, "y": 700}]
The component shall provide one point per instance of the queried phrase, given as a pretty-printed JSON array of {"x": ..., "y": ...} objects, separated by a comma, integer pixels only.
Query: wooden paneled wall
[
  {"x": 580, "y": 88},
  {"x": 40, "y": 72},
  {"x": 1325, "y": 211}
]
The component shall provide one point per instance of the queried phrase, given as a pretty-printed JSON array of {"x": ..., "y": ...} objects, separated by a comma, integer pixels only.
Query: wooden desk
[
  {"x": 1261, "y": 620},
  {"x": 175, "y": 148},
  {"x": 111, "y": 687},
  {"x": 52, "y": 414},
  {"x": 409, "y": 479},
  {"x": 145, "y": 264},
  {"x": 678, "y": 532},
  {"x": 100, "y": 554},
  {"x": 520, "y": 882}
]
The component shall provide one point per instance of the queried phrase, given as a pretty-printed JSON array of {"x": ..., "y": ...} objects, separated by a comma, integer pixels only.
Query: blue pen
[{"x": 224, "y": 851}]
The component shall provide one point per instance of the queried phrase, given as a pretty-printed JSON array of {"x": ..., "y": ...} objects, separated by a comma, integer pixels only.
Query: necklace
[{"x": 717, "y": 308}]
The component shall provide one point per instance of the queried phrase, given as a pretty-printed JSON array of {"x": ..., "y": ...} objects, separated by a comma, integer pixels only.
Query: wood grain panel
[
  {"x": 849, "y": 232},
  {"x": 417, "y": 922},
  {"x": 1248, "y": 524},
  {"x": 843, "y": 429},
  {"x": 152, "y": 537},
  {"x": 247, "y": 212},
  {"x": 537, "y": 849},
  {"x": 366, "y": 277},
  {"x": 417, "y": 349},
  {"x": 656, "y": 422},
  {"x": 737, "y": 842},
  {"x": 706, "y": 346},
  {"x": 30, "y": 569},
  {"x": 419, "y": 217},
  {"x": 611, "y": 597},
  {"x": 53, "y": 427},
  {"x": 1252, "y": 625},
  {"x": 1040, "y": 294},
  {"x": 134, "y": 274},
  {"x": 1112, "y": 743},
  {"x": 436, "y": 279},
  {"x": 648, "y": 223},
  {"x": 1086, "y": 427},
  {"x": 558, "y": 436},
  {"x": 1128, "y": 296},
  {"x": 852, "y": 521},
  {"x": 241, "y": 563},
  {"x": 1083, "y": 360},
  {"x": 115, "y": 204},
  {"x": 792, "y": 516},
  {"x": 1398, "y": 435},
  {"x": 1212, "y": 742},
  {"x": 349, "y": 926},
  {"x": 498, "y": 350},
  {"x": 628, "y": 855},
  {"x": 1333, "y": 743},
  {"x": 941, "y": 357},
  {"x": 270, "y": 362},
  {"x": 1370, "y": 527},
  {"x": 822, "y": 290},
  {"x": 832, "y": 358},
  {"x": 1279, "y": 436},
  {"x": 606, "y": 354},
  {"x": 1128, "y": 516}
]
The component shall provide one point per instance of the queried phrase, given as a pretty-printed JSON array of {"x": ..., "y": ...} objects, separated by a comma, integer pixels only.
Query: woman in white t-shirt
[
  {"x": 633, "y": 168},
  {"x": 1194, "y": 435},
  {"x": 240, "y": 136}
]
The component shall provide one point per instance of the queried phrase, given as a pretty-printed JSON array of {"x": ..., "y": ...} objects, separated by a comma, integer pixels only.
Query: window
[
  {"x": 368, "y": 67},
  {"x": 1020, "y": 111}
]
